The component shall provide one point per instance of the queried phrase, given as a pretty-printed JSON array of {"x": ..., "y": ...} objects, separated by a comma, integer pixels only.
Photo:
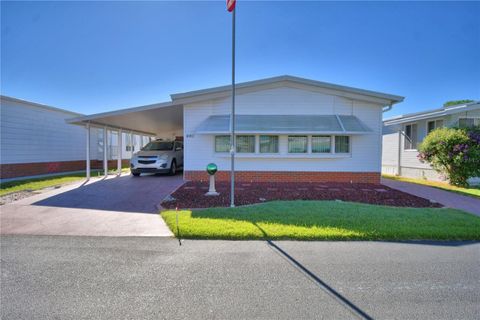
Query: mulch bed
[{"x": 192, "y": 194}]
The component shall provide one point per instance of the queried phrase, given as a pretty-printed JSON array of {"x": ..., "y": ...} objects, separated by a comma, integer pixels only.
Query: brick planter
[{"x": 288, "y": 176}]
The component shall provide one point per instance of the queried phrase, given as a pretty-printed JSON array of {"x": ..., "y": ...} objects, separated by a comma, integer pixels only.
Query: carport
[{"x": 161, "y": 120}]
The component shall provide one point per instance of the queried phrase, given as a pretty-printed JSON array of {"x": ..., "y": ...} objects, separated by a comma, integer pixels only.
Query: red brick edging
[
  {"x": 288, "y": 176},
  {"x": 16, "y": 170}
]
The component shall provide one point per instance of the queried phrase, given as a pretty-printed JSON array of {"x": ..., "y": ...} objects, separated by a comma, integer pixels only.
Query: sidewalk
[{"x": 448, "y": 199}]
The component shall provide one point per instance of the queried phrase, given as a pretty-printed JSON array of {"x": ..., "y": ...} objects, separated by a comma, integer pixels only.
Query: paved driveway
[
  {"x": 447, "y": 198},
  {"x": 116, "y": 206},
  {"x": 155, "y": 278}
]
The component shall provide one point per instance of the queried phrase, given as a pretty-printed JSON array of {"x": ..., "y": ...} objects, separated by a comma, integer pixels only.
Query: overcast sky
[{"x": 92, "y": 57}]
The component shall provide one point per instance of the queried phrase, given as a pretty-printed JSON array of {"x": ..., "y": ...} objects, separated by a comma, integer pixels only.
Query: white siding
[
  {"x": 34, "y": 134},
  {"x": 390, "y": 153},
  {"x": 366, "y": 149},
  {"x": 410, "y": 166}
]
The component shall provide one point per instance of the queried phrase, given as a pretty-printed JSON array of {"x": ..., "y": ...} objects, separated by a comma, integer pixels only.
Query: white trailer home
[
  {"x": 288, "y": 129},
  {"x": 35, "y": 139},
  {"x": 402, "y": 134}
]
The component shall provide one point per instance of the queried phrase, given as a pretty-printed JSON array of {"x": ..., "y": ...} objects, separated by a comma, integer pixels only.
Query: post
[
  {"x": 132, "y": 145},
  {"x": 120, "y": 149},
  {"x": 87, "y": 161},
  {"x": 105, "y": 156},
  {"x": 232, "y": 119}
]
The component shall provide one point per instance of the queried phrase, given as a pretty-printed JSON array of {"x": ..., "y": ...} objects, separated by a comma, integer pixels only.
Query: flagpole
[{"x": 232, "y": 119}]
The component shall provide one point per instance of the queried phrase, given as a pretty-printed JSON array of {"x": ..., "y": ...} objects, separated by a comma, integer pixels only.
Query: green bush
[{"x": 453, "y": 152}]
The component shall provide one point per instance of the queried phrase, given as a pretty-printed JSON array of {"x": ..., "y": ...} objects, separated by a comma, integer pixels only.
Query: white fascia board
[{"x": 98, "y": 116}]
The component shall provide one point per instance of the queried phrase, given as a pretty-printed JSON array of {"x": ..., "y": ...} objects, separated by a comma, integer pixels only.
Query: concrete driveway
[
  {"x": 447, "y": 198},
  {"x": 115, "y": 206}
]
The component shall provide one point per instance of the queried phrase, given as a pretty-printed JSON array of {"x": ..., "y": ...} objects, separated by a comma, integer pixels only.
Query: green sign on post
[{"x": 212, "y": 169}]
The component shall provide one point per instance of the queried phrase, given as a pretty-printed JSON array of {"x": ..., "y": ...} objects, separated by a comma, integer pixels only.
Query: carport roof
[{"x": 150, "y": 119}]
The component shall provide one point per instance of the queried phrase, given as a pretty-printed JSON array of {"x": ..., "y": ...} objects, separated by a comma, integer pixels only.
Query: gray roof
[
  {"x": 287, "y": 78},
  {"x": 434, "y": 113},
  {"x": 284, "y": 124},
  {"x": 35, "y": 104}
]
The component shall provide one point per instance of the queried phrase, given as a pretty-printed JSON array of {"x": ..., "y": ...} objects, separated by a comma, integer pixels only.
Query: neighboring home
[
  {"x": 288, "y": 129},
  {"x": 402, "y": 135},
  {"x": 35, "y": 140}
]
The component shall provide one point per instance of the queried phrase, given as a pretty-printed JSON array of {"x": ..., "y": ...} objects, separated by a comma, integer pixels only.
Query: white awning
[{"x": 285, "y": 124}]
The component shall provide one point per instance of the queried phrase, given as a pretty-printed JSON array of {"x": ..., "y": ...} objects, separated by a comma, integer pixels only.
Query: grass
[
  {"x": 45, "y": 182},
  {"x": 324, "y": 220},
  {"x": 473, "y": 191}
]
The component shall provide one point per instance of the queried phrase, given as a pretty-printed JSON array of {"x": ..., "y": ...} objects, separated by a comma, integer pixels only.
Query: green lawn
[
  {"x": 45, "y": 182},
  {"x": 473, "y": 191},
  {"x": 324, "y": 220}
]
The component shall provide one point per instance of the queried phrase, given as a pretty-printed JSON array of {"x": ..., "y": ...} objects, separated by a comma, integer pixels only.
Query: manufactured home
[
  {"x": 287, "y": 129},
  {"x": 402, "y": 135},
  {"x": 36, "y": 140}
]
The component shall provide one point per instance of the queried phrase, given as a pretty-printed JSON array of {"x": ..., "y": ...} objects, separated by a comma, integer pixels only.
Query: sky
[{"x": 92, "y": 57}]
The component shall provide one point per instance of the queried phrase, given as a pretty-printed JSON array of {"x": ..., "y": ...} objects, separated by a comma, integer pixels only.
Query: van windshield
[{"x": 158, "y": 146}]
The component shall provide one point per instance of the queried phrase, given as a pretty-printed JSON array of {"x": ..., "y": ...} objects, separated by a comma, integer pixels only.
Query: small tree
[
  {"x": 455, "y": 102},
  {"x": 453, "y": 152}
]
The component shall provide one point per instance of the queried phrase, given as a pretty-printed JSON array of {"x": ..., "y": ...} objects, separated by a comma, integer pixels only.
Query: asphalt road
[{"x": 55, "y": 277}]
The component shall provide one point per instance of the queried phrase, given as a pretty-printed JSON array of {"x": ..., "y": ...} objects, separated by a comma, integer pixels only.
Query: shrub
[{"x": 453, "y": 152}]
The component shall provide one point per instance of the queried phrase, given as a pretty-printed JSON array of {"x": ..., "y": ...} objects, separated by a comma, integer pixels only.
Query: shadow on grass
[{"x": 352, "y": 221}]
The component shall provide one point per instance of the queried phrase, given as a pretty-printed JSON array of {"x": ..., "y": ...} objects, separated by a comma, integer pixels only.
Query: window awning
[{"x": 284, "y": 124}]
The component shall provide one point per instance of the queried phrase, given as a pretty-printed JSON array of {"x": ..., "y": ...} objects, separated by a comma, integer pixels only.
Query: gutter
[{"x": 387, "y": 108}]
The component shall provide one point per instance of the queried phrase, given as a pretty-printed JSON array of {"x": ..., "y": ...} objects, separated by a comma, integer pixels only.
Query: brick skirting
[
  {"x": 16, "y": 170},
  {"x": 288, "y": 176}
]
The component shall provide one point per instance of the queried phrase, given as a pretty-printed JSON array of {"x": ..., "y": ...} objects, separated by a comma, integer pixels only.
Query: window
[
  {"x": 222, "y": 143},
  {"x": 268, "y": 144},
  {"x": 245, "y": 144},
  {"x": 411, "y": 137},
  {"x": 468, "y": 122},
  {"x": 297, "y": 144},
  {"x": 342, "y": 144},
  {"x": 321, "y": 144},
  {"x": 432, "y": 125},
  {"x": 158, "y": 146}
]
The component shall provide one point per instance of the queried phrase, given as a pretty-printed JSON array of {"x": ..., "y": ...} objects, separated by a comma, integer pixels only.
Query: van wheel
[
  {"x": 135, "y": 174},
  {"x": 173, "y": 168}
]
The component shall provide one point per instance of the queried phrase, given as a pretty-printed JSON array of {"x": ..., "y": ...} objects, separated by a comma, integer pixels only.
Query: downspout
[{"x": 387, "y": 108}]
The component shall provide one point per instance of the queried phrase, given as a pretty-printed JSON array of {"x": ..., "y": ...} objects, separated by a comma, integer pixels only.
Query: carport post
[
  {"x": 87, "y": 164},
  {"x": 120, "y": 149},
  {"x": 105, "y": 159},
  {"x": 132, "y": 145}
]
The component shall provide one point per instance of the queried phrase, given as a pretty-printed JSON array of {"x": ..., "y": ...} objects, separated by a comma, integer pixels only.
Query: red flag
[{"x": 231, "y": 5}]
